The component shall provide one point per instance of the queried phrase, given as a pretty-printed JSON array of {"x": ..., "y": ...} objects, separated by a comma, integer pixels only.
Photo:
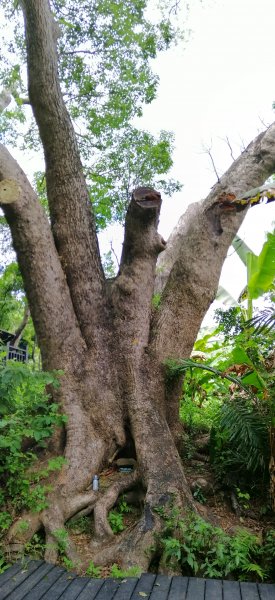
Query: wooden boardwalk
[{"x": 39, "y": 580}]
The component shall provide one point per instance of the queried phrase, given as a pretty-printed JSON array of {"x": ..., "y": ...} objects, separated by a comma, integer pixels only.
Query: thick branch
[
  {"x": 67, "y": 192},
  {"x": 44, "y": 281},
  {"x": 133, "y": 288},
  {"x": 189, "y": 270}
]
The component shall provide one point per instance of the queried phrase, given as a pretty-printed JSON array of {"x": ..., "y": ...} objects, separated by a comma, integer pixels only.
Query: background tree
[{"x": 104, "y": 336}]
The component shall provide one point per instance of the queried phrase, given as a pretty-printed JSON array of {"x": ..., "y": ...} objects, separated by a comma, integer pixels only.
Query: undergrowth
[
  {"x": 201, "y": 549},
  {"x": 27, "y": 421},
  {"x": 115, "y": 571},
  {"x": 116, "y": 515}
]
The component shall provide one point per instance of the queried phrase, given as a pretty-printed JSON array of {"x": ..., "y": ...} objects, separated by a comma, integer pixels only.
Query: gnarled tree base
[{"x": 162, "y": 483}]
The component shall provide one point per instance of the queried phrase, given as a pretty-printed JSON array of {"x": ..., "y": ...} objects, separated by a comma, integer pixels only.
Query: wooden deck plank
[
  {"x": 55, "y": 591},
  {"x": 266, "y": 591},
  {"x": 30, "y": 582},
  {"x": 108, "y": 589},
  {"x": 231, "y": 590},
  {"x": 11, "y": 571},
  {"x": 74, "y": 589},
  {"x": 214, "y": 589},
  {"x": 37, "y": 580},
  {"x": 161, "y": 587},
  {"x": 16, "y": 580},
  {"x": 126, "y": 588},
  {"x": 249, "y": 591},
  {"x": 195, "y": 589},
  {"x": 144, "y": 584},
  {"x": 45, "y": 584},
  {"x": 91, "y": 589},
  {"x": 178, "y": 588}
]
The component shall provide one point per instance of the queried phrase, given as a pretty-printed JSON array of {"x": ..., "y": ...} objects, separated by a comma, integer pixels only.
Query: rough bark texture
[{"x": 105, "y": 337}]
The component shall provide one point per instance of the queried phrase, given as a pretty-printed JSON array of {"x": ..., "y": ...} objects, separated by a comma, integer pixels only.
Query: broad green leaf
[
  {"x": 262, "y": 271},
  {"x": 254, "y": 379},
  {"x": 241, "y": 248},
  {"x": 240, "y": 357}
]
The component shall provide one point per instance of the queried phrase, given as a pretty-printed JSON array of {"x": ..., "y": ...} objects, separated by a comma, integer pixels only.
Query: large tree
[{"x": 104, "y": 336}]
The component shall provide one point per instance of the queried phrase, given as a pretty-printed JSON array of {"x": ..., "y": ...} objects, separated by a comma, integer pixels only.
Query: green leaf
[
  {"x": 262, "y": 270},
  {"x": 240, "y": 357},
  {"x": 255, "y": 380},
  {"x": 242, "y": 249}
]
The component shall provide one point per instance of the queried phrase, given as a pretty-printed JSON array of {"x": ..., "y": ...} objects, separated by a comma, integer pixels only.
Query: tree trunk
[{"x": 105, "y": 337}]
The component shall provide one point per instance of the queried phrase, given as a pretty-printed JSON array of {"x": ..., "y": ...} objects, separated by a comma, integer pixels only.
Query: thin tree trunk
[{"x": 21, "y": 327}]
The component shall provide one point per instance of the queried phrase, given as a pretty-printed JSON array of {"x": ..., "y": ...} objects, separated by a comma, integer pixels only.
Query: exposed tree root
[
  {"x": 103, "y": 530},
  {"x": 24, "y": 528},
  {"x": 54, "y": 518},
  {"x": 134, "y": 547}
]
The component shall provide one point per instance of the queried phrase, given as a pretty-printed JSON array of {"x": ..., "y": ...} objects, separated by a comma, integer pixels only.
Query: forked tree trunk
[{"x": 105, "y": 337}]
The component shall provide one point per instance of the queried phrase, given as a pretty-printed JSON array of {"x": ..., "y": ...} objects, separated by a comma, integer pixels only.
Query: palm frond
[
  {"x": 246, "y": 433},
  {"x": 263, "y": 322},
  {"x": 178, "y": 367}
]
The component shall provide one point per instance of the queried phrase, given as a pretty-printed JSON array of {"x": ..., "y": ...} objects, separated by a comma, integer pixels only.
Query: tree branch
[
  {"x": 68, "y": 197},
  {"x": 46, "y": 288},
  {"x": 133, "y": 288},
  {"x": 189, "y": 269},
  {"x": 207, "y": 150}
]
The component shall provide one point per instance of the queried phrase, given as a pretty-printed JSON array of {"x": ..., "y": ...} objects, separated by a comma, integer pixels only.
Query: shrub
[
  {"x": 27, "y": 420},
  {"x": 207, "y": 551}
]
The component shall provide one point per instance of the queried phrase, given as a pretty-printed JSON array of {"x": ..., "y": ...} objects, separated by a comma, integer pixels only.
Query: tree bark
[
  {"x": 188, "y": 271},
  {"x": 106, "y": 339}
]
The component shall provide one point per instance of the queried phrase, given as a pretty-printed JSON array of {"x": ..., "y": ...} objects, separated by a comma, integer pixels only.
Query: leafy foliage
[
  {"x": 93, "y": 571},
  {"x": 105, "y": 52},
  {"x": 123, "y": 573},
  {"x": 264, "y": 321},
  {"x": 27, "y": 420},
  {"x": 115, "y": 572},
  {"x": 231, "y": 393},
  {"x": 35, "y": 547},
  {"x": 80, "y": 524},
  {"x": 13, "y": 305},
  {"x": 261, "y": 270},
  {"x": 11, "y": 297},
  {"x": 231, "y": 321},
  {"x": 115, "y": 516},
  {"x": 135, "y": 158},
  {"x": 240, "y": 442},
  {"x": 201, "y": 549},
  {"x": 116, "y": 521},
  {"x": 175, "y": 368}
]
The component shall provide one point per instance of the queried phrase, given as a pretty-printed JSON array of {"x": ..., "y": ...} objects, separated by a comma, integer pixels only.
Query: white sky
[{"x": 220, "y": 84}]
